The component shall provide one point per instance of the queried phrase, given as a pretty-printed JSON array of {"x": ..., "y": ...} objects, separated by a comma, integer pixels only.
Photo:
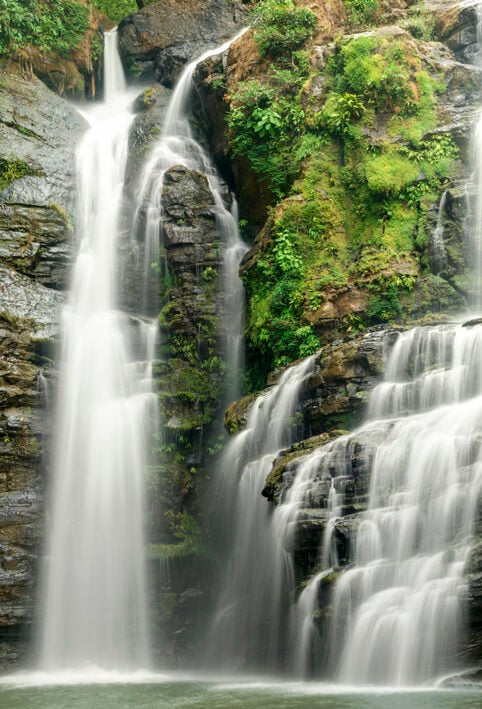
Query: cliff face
[
  {"x": 323, "y": 268},
  {"x": 38, "y": 134},
  {"x": 356, "y": 147},
  {"x": 160, "y": 39}
]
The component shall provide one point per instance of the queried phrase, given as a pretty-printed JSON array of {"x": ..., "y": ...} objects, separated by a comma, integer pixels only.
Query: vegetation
[
  {"x": 11, "y": 170},
  {"x": 348, "y": 209},
  {"x": 361, "y": 12},
  {"x": 281, "y": 27},
  {"x": 56, "y": 25},
  {"x": 266, "y": 121},
  {"x": 116, "y": 10}
]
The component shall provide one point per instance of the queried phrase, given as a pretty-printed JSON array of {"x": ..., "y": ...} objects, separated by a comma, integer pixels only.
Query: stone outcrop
[
  {"x": 434, "y": 289},
  {"x": 38, "y": 134},
  {"x": 189, "y": 378},
  {"x": 160, "y": 39},
  {"x": 337, "y": 391},
  {"x": 150, "y": 108}
]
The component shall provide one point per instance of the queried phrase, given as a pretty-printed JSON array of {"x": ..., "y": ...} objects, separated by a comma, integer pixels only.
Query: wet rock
[
  {"x": 39, "y": 130},
  {"x": 189, "y": 375},
  {"x": 38, "y": 135},
  {"x": 23, "y": 300},
  {"x": 473, "y": 575},
  {"x": 455, "y": 25},
  {"x": 150, "y": 107},
  {"x": 160, "y": 39}
]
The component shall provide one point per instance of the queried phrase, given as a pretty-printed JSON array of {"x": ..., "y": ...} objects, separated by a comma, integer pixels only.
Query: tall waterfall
[{"x": 94, "y": 598}]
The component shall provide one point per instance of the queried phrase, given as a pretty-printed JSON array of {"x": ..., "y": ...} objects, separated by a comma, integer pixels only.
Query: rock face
[
  {"x": 160, "y": 39},
  {"x": 38, "y": 134},
  {"x": 189, "y": 378},
  {"x": 407, "y": 281}
]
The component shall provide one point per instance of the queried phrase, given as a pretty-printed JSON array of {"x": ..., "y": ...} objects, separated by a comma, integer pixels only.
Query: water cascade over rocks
[
  {"x": 250, "y": 617},
  {"x": 177, "y": 146},
  {"x": 94, "y": 599},
  {"x": 398, "y": 611}
]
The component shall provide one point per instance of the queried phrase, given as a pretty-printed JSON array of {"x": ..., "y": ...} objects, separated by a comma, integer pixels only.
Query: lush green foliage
[
  {"x": 361, "y": 12},
  {"x": 116, "y": 9},
  {"x": 355, "y": 219},
  {"x": 57, "y": 25},
  {"x": 265, "y": 121},
  {"x": 281, "y": 27}
]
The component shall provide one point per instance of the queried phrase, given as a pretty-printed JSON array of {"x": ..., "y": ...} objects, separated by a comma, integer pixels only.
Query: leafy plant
[
  {"x": 361, "y": 12},
  {"x": 281, "y": 27},
  {"x": 116, "y": 9},
  {"x": 57, "y": 25},
  {"x": 340, "y": 110},
  {"x": 263, "y": 124}
]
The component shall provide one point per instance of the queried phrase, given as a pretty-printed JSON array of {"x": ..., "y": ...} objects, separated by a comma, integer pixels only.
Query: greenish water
[{"x": 213, "y": 695}]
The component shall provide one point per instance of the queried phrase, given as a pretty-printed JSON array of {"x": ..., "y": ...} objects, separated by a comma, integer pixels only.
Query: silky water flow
[
  {"x": 94, "y": 595},
  {"x": 398, "y": 608}
]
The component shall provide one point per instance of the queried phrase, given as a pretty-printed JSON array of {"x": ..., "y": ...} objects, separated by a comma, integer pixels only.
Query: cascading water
[
  {"x": 398, "y": 612},
  {"x": 177, "y": 146},
  {"x": 94, "y": 598},
  {"x": 439, "y": 254},
  {"x": 258, "y": 579}
]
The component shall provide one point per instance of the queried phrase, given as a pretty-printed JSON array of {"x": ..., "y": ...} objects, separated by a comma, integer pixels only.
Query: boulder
[{"x": 163, "y": 36}]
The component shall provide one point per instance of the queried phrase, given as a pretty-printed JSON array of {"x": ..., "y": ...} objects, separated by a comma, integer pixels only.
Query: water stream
[
  {"x": 178, "y": 146},
  {"x": 94, "y": 598},
  {"x": 257, "y": 581}
]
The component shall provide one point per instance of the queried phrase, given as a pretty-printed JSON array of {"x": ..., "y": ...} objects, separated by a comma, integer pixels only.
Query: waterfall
[
  {"x": 94, "y": 596},
  {"x": 257, "y": 582},
  {"x": 398, "y": 611},
  {"x": 177, "y": 146},
  {"x": 439, "y": 256}
]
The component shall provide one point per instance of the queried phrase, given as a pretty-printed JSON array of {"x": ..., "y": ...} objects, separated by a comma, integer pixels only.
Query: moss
[
  {"x": 63, "y": 214},
  {"x": 11, "y": 170},
  {"x": 173, "y": 551},
  {"x": 389, "y": 172}
]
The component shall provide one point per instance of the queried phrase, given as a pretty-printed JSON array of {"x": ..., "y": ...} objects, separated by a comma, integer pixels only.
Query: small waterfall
[
  {"x": 258, "y": 580},
  {"x": 94, "y": 597},
  {"x": 474, "y": 193},
  {"x": 439, "y": 253},
  {"x": 177, "y": 146}
]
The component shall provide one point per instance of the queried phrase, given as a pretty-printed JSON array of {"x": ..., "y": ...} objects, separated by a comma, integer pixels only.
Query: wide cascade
[
  {"x": 94, "y": 599},
  {"x": 397, "y": 600}
]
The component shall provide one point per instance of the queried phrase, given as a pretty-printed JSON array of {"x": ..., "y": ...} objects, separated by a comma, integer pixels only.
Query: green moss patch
[{"x": 11, "y": 170}]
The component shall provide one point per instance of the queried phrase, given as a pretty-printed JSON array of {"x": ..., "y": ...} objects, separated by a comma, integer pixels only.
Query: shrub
[
  {"x": 57, "y": 25},
  {"x": 116, "y": 9},
  {"x": 281, "y": 27}
]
